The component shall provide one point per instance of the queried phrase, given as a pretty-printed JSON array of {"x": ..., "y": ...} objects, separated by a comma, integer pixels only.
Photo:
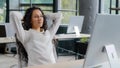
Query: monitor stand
[
  {"x": 76, "y": 29},
  {"x": 112, "y": 56},
  {"x": 113, "y": 60}
]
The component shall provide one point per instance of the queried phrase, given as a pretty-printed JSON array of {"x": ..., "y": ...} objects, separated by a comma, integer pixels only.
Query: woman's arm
[
  {"x": 56, "y": 17},
  {"x": 15, "y": 19}
]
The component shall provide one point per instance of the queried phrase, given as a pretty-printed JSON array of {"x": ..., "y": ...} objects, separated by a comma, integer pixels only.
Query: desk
[
  {"x": 7, "y": 39},
  {"x": 4, "y": 40},
  {"x": 68, "y": 64},
  {"x": 58, "y": 36},
  {"x": 68, "y": 37}
]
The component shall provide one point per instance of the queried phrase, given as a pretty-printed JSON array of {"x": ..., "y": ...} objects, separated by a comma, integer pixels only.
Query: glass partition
[{"x": 2, "y": 11}]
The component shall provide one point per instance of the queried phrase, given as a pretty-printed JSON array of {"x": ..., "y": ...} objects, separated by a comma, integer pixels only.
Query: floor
[
  {"x": 10, "y": 61},
  {"x": 7, "y": 60}
]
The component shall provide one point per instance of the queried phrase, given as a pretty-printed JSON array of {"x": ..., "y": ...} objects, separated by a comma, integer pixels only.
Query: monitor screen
[
  {"x": 2, "y": 31},
  {"x": 75, "y": 21},
  {"x": 106, "y": 31}
]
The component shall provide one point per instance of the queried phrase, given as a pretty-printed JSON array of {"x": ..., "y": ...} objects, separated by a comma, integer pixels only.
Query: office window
[
  {"x": 68, "y": 8},
  {"x": 37, "y": 1},
  {"x": 110, "y": 6},
  {"x": 45, "y": 5},
  {"x": 22, "y": 5},
  {"x": 2, "y": 11},
  {"x": 106, "y": 6}
]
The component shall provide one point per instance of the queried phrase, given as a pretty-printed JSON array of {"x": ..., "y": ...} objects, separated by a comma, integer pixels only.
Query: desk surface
[
  {"x": 68, "y": 64},
  {"x": 7, "y": 39},
  {"x": 76, "y": 64},
  {"x": 70, "y": 36}
]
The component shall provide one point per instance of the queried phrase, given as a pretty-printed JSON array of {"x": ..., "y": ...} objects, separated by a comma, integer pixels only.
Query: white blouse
[{"x": 38, "y": 45}]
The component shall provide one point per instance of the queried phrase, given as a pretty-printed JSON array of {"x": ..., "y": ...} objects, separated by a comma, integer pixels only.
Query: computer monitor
[
  {"x": 2, "y": 34},
  {"x": 75, "y": 21},
  {"x": 106, "y": 32},
  {"x": 7, "y": 30},
  {"x": 10, "y": 30}
]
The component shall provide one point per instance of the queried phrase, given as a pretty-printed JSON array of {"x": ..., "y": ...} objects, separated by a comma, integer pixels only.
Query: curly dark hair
[{"x": 27, "y": 18}]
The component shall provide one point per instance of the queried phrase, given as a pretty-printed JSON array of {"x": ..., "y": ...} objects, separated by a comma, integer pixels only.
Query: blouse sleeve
[
  {"x": 15, "y": 19},
  {"x": 56, "y": 18}
]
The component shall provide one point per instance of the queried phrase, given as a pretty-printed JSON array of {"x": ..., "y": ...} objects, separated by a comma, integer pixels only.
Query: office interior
[{"x": 75, "y": 47}]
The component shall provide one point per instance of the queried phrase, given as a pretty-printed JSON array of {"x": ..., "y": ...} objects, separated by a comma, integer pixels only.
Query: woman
[{"x": 35, "y": 37}]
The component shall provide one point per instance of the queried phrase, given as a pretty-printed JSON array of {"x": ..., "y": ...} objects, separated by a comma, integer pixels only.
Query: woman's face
[{"x": 37, "y": 19}]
